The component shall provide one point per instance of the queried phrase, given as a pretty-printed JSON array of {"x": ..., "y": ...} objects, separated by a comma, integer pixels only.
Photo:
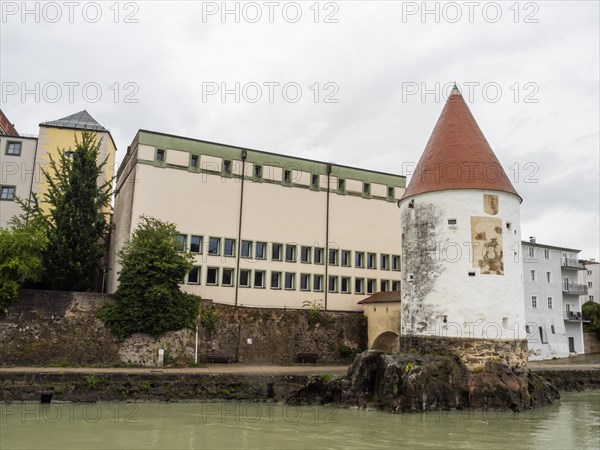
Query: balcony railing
[
  {"x": 573, "y": 315},
  {"x": 572, "y": 263},
  {"x": 574, "y": 289}
]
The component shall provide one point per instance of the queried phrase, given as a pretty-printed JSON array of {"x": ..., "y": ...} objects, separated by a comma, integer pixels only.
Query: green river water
[{"x": 573, "y": 423}]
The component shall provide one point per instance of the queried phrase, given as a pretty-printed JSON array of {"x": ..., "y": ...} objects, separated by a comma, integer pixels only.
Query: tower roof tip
[{"x": 455, "y": 90}]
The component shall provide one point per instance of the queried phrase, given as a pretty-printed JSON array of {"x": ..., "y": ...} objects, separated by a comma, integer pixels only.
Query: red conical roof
[{"x": 457, "y": 155}]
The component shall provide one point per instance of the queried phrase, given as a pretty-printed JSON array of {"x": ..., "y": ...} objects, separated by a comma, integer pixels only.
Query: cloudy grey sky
[{"x": 357, "y": 83}]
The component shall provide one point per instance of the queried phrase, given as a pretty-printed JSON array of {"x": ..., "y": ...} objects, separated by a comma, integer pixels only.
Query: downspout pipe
[{"x": 239, "y": 239}]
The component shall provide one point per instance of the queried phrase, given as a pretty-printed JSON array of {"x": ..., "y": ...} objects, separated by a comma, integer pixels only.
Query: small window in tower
[
  {"x": 314, "y": 181},
  {"x": 160, "y": 155},
  {"x": 287, "y": 176},
  {"x": 451, "y": 221},
  {"x": 471, "y": 273},
  {"x": 194, "y": 161},
  {"x": 411, "y": 278},
  {"x": 508, "y": 225}
]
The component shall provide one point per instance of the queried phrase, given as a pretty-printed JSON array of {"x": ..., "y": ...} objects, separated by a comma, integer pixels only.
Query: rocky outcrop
[{"x": 409, "y": 383}]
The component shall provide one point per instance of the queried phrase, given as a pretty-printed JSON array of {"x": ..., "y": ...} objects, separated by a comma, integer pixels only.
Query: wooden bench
[
  {"x": 220, "y": 358},
  {"x": 310, "y": 358}
]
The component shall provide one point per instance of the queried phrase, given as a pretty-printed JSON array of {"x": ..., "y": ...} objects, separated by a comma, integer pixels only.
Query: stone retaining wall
[
  {"x": 473, "y": 353},
  {"x": 61, "y": 328},
  {"x": 591, "y": 342}
]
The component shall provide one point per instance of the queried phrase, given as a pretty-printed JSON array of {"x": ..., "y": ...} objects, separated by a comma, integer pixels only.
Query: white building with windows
[
  {"x": 266, "y": 229},
  {"x": 554, "y": 294},
  {"x": 17, "y": 160},
  {"x": 591, "y": 279}
]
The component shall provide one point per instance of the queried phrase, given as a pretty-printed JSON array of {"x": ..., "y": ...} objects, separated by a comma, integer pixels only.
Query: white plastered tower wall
[{"x": 462, "y": 274}]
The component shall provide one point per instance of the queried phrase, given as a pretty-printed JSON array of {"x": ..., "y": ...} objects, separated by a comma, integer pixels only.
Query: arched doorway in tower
[{"x": 387, "y": 341}]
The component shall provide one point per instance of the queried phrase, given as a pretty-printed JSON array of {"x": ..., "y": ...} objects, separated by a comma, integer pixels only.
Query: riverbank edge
[{"x": 165, "y": 386}]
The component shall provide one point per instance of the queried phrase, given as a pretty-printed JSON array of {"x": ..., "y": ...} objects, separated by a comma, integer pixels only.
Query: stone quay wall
[{"x": 61, "y": 329}]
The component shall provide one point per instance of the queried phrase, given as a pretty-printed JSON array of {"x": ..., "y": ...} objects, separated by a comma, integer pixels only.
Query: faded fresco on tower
[
  {"x": 486, "y": 239},
  {"x": 491, "y": 204}
]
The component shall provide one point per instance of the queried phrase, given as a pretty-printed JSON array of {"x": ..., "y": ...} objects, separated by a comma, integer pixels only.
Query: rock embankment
[{"x": 404, "y": 382}]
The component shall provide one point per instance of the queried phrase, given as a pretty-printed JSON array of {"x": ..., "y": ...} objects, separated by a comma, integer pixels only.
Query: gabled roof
[
  {"x": 382, "y": 297},
  {"x": 78, "y": 121},
  {"x": 457, "y": 155}
]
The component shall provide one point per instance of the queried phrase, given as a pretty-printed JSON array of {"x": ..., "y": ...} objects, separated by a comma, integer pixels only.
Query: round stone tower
[{"x": 462, "y": 268}]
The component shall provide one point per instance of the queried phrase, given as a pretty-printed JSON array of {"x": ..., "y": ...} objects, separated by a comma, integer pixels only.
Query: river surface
[{"x": 574, "y": 423}]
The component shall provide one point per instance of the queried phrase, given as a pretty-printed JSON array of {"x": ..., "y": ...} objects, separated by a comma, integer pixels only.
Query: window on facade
[
  {"x": 214, "y": 246},
  {"x": 359, "y": 285},
  {"x": 333, "y": 256},
  {"x": 589, "y": 272},
  {"x": 227, "y": 167},
  {"x": 396, "y": 262},
  {"x": 7, "y": 193},
  {"x": 532, "y": 274},
  {"x": 531, "y": 252},
  {"x": 371, "y": 286},
  {"x": 212, "y": 276},
  {"x": 304, "y": 282},
  {"x": 290, "y": 280},
  {"x": 550, "y": 303},
  {"x": 181, "y": 242},
  {"x": 260, "y": 251},
  {"x": 591, "y": 298},
  {"x": 259, "y": 278},
  {"x": 549, "y": 277},
  {"x": 257, "y": 171},
  {"x": 546, "y": 253},
  {"x": 314, "y": 181},
  {"x": 371, "y": 261},
  {"x": 366, "y": 188},
  {"x": 318, "y": 283},
  {"x": 246, "y": 249},
  {"x": 287, "y": 176},
  {"x": 385, "y": 262},
  {"x": 275, "y": 280},
  {"x": 345, "y": 258},
  {"x": 359, "y": 259},
  {"x": 332, "y": 284},
  {"x": 534, "y": 301},
  {"x": 305, "y": 254},
  {"x": 194, "y": 161},
  {"x": 244, "y": 278},
  {"x": 227, "y": 277},
  {"x": 318, "y": 255},
  {"x": 196, "y": 244},
  {"x": 552, "y": 329},
  {"x": 229, "y": 247},
  {"x": 160, "y": 155},
  {"x": 341, "y": 185},
  {"x": 290, "y": 252},
  {"x": 13, "y": 148},
  {"x": 276, "y": 250},
  {"x": 451, "y": 221},
  {"x": 395, "y": 285},
  {"x": 345, "y": 285},
  {"x": 542, "y": 336},
  {"x": 384, "y": 285},
  {"x": 194, "y": 275},
  {"x": 589, "y": 284}
]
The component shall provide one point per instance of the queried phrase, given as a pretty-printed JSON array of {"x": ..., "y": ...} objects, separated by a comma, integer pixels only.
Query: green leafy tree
[
  {"x": 74, "y": 213},
  {"x": 148, "y": 298},
  {"x": 591, "y": 311},
  {"x": 21, "y": 248}
]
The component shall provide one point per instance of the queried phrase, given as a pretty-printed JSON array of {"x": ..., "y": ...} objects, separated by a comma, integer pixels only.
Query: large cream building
[{"x": 266, "y": 229}]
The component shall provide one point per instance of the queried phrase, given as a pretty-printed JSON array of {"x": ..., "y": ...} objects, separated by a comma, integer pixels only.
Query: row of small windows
[
  {"x": 534, "y": 302},
  {"x": 289, "y": 252},
  {"x": 533, "y": 276},
  {"x": 257, "y": 174},
  {"x": 224, "y": 276},
  {"x": 13, "y": 148}
]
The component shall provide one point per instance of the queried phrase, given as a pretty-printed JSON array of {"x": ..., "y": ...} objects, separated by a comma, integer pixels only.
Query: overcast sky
[{"x": 356, "y": 83}]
